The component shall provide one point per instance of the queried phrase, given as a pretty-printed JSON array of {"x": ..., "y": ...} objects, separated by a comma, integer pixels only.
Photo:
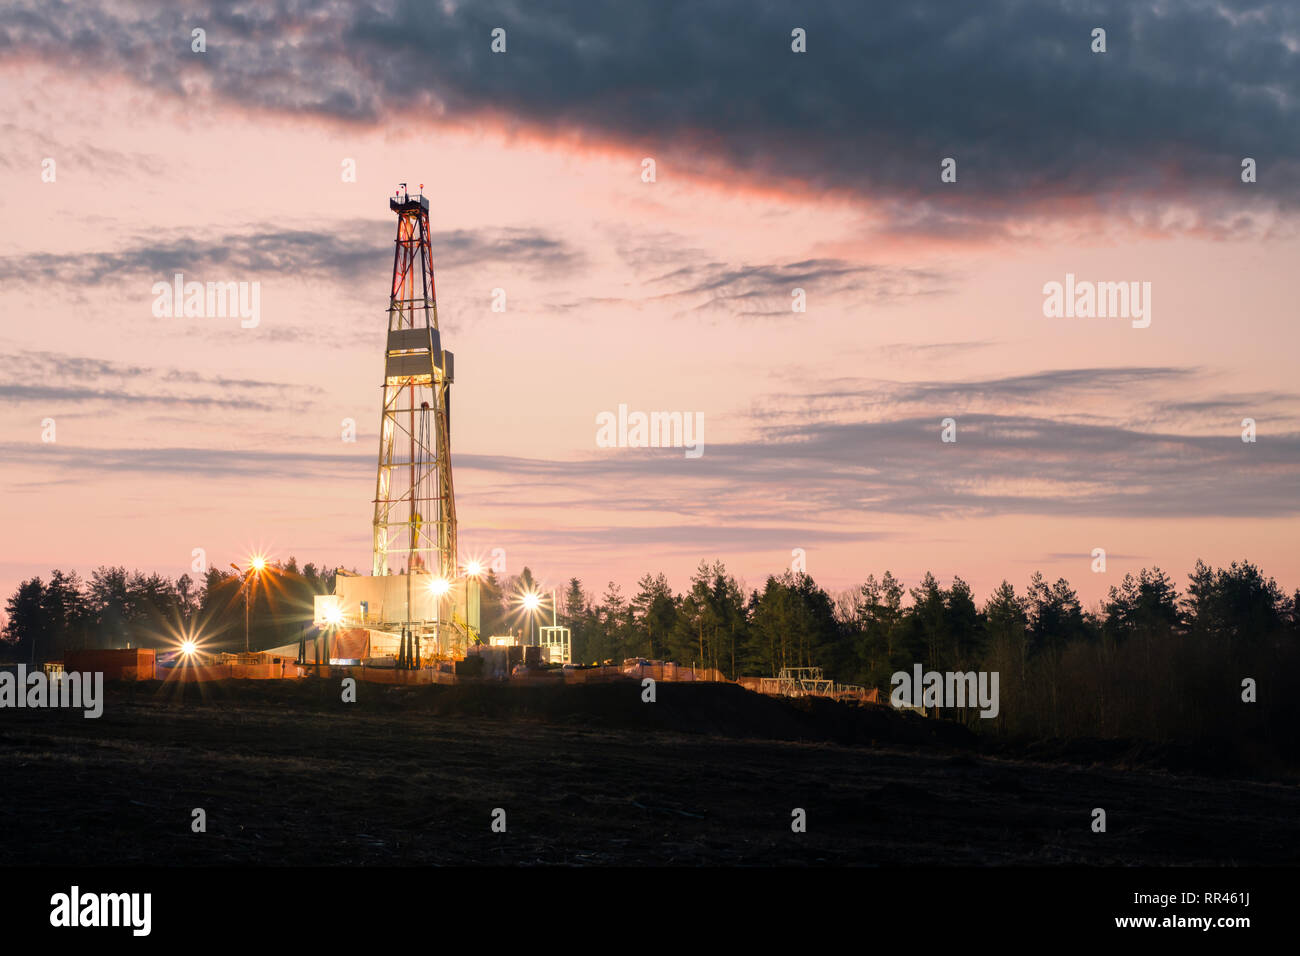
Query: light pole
[
  {"x": 474, "y": 598},
  {"x": 256, "y": 565},
  {"x": 531, "y": 601}
]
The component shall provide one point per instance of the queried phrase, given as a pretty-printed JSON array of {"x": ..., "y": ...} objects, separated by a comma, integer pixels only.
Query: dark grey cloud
[{"x": 1010, "y": 89}]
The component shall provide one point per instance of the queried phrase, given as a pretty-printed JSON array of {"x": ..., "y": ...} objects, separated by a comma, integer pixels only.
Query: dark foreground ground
[{"x": 708, "y": 774}]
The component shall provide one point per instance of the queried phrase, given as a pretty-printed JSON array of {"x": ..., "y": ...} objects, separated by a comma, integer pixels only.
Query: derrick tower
[{"x": 415, "y": 506}]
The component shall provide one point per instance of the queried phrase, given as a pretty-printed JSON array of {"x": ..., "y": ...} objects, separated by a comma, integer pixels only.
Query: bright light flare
[
  {"x": 189, "y": 647},
  {"x": 439, "y": 586},
  {"x": 333, "y": 616},
  {"x": 257, "y": 563},
  {"x": 474, "y": 569},
  {"x": 531, "y": 600}
]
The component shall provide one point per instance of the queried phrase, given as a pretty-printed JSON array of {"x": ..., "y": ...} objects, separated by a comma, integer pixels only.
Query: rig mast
[{"x": 415, "y": 505}]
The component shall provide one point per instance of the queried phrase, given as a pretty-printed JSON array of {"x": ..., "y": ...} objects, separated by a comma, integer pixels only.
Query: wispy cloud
[
  {"x": 1003, "y": 463},
  {"x": 85, "y": 379},
  {"x": 766, "y": 290},
  {"x": 343, "y": 252},
  {"x": 73, "y": 393}
]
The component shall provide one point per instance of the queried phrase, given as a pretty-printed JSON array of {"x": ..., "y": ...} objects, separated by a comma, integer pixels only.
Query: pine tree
[
  {"x": 654, "y": 613},
  {"x": 26, "y": 628}
]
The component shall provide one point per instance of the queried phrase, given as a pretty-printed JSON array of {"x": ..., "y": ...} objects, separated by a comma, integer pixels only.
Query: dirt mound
[
  {"x": 290, "y": 776},
  {"x": 724, "y": 710}
]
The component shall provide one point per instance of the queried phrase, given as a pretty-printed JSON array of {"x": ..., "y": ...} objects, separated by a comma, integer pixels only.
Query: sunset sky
[{"x": 775, "y": 170}]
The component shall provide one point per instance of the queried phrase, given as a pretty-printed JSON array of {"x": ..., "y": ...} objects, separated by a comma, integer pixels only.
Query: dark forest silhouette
[{"x": 1152, "y": 662}]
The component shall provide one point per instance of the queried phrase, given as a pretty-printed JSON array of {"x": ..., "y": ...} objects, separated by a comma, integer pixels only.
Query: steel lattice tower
[{"x": 415, "y": 506}]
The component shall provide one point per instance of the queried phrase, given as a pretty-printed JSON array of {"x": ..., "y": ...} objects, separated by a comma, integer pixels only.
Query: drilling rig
[
  {"x": 415, "y": 504},
  {"x": 414, "y": 602}
]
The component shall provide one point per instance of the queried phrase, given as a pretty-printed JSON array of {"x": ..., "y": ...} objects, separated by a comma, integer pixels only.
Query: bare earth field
[{"x": 708, "y": 774}]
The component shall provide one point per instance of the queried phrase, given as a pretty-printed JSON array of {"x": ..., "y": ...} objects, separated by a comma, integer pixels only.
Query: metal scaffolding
[{"x": 807, "y": 682}]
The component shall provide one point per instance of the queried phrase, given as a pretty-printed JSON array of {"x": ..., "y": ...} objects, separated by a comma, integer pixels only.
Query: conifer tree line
[
  {"x": 1151, "y": 656},
  {"x": 46, "y": 617}
]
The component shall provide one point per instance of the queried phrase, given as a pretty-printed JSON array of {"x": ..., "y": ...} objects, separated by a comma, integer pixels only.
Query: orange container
[{"x": 136, "y": 663}]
